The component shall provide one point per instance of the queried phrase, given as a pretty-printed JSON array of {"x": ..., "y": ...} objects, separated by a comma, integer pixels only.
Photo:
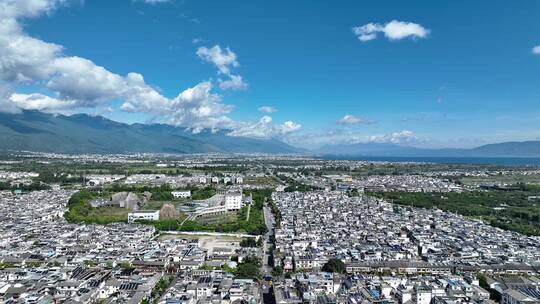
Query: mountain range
[{"x": 83, "y": 133}]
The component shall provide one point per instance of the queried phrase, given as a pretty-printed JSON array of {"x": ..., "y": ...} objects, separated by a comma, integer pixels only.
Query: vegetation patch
[
  {"x": 80, "y": 211},
  {"x": 509, "y": 210}
]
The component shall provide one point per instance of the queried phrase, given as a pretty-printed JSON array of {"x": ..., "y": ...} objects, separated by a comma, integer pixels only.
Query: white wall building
[
  {"x": 149, "y": 215},
  {"x": 233, "y": 200},
  {"x": 181, "y": 194}
]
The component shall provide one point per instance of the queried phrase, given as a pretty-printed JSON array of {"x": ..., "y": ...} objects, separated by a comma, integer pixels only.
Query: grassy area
[
  {"x": 509, "y": 210},
  {"x": 202, "y": 193},
  {"x": 226, "y": 218},
  {"x": 156, "y": 205},
  {"x": 80, "y": 211},
  {"x": 270, "y": 181}
]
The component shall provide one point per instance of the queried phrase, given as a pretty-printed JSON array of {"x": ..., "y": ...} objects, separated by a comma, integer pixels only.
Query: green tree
[
  {"x": 249, "y": 268},
  {"x": 334, "y": 265},
  {"x": 277, "y": 271}
]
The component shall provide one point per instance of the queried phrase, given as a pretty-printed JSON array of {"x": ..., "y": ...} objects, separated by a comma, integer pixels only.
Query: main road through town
[{"x": 266, "y": 257}]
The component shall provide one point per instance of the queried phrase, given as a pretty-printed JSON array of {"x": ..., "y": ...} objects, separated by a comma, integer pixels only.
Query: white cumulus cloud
[
  {"x": 36, "y": 101},
  {"x": 352, "y": 120},
  {"x": 6, "y": 105},
  {"x": 264, "y": 128},
  {"x": 224, "y": 60},
  {"x": 267, "y": 109},
  {"x": 536, "y": 50},
  {"x": 196, "y": 108},
  {"x": 348, "y": 136},
  {"x": 76, "y": 82},
  {"x": 155, "y": 1},
  {"x": 393, "y": 30},
  {"x": 289, "y": 127},
  {"x": 235, "y": 82},
  {"x": 402, "y": 137}
]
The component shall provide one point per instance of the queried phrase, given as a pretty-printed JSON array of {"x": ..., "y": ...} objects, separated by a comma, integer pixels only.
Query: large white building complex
[
  {"x": 233, "y": 200},
  {"x": 181, "y": 194},
  {"x": 149, "y": 215}
]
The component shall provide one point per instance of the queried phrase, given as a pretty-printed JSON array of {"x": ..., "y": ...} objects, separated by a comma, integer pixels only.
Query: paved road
[
  {"x": 268, "y": 297},
  {"x": 269, "y": 221}
]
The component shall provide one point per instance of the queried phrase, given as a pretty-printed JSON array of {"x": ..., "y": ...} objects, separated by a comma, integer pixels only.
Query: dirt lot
[{"x": 210, "y": 242}]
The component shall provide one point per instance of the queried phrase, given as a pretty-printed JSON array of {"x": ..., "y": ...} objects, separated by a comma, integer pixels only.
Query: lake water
[{"x": 506, "y": 161}]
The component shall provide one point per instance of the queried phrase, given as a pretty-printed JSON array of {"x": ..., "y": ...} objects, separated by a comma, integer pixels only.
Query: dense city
[{"x": 265, "y": 229}]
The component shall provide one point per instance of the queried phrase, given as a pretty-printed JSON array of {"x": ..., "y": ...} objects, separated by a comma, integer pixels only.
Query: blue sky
[{"x": 451, "y": 74}]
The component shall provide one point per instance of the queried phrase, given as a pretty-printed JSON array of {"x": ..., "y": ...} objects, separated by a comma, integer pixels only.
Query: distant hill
[
  {"x": 507, "y": 149},
  {"x": 82, "y": 133},
  {"x": 522, "y": 149}
]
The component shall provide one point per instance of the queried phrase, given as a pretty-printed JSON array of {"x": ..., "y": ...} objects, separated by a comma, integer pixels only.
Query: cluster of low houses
[
  {"x": 96, "y": 180},
  {"x": 12, "y": 175},
  {"x": 405, "y": 183},
  {"x": 375, "y": 238},
  {"x": 392, "y": 254},
  {"x": 43, "y": 259},
  {"x": 323, "y": 288},
  {"x": 18, "y": 179},
  {"x": 378, "y": 183},
  {"x": 316, "y": 226}
]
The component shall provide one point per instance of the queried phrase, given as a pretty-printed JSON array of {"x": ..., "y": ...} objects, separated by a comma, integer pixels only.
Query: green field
[
  {"x": 269, "y": 181},
  {"x": 227, "y": 218},
  {"x": 80, "y": 210}
]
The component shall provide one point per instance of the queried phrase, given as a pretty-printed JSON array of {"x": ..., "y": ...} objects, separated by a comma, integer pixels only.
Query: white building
[
  {"x": 423, "y": 294},
  {"x": 181, "y": 194},
  {"x": 215, "y": 210},
  {"x": 149, "y": 215},
  {"x": 202, "y": 180},
  {"x": 233, "y": 200},
  {"x": 239, "y": 179}
]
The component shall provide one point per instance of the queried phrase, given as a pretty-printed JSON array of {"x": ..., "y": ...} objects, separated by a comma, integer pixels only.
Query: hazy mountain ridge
[
  {"x": 82, "y": 133},
  {"x": 505, "y": 149}
]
